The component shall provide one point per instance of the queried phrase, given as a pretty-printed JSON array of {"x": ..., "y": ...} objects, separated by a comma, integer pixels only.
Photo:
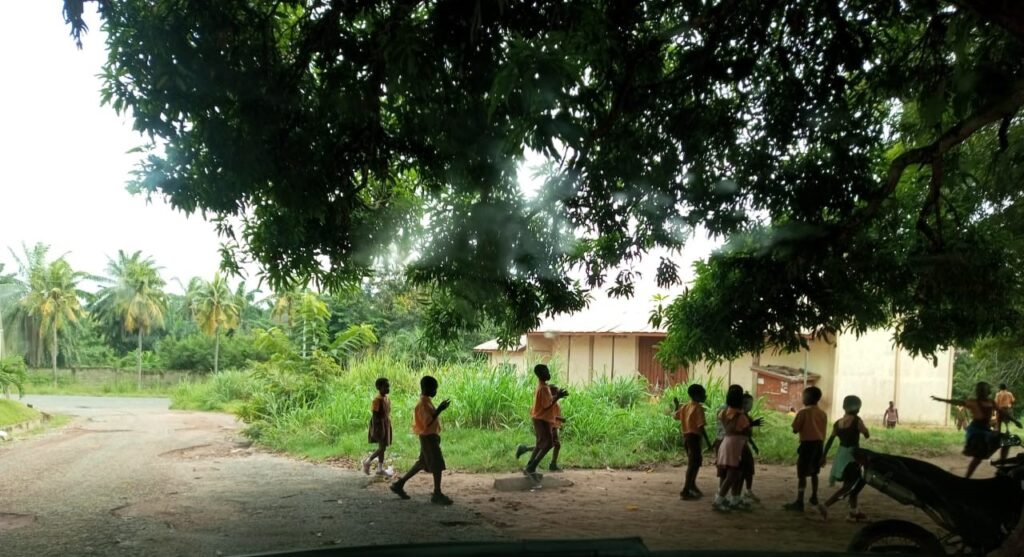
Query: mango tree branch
[{"x": 926, "y": 154}]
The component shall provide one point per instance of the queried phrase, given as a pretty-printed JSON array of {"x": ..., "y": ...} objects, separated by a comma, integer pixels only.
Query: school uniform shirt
[
  {"x": 543, "y": 407},
  {"x": 1004, "y": 399},
  {"x": 691, "y": 417},
  {"x": 423, "y": 420},
  {"x": 735, "y": 420},
  {"x": 811, "y": 423},
  {"x": 720, "y": 425},
  {"x": 383, "y": 405}
]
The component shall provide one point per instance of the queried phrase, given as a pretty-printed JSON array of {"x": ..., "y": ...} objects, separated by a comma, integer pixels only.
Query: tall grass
[{"x": 610, "y": 423}]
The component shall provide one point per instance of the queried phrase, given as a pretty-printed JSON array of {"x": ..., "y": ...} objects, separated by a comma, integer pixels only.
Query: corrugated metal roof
[
  {"x": 492, "y": 346},
  {"x": 609, "y": 315}
]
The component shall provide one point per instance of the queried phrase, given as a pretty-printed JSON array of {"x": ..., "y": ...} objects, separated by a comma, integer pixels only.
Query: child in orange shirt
[
  {"x": 810, "y": 424},
  {"x": 380, "y": 425},
  {"x": 544, "y": 416},
  {"x": 427, "y": 424},
  {"x": 691, "y": 424},
  {"x": 556, "y": 442}
]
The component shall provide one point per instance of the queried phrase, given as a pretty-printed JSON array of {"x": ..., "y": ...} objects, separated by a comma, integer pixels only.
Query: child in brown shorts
[
  {"x": 810, "y": 424},
  {"x": 427, "y": 425},
  {"x": 380, "y": 426},
  {"x": 692, "y": 424}
]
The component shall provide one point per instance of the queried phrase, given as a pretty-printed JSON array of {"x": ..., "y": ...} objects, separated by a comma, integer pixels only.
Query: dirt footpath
[
  {"x": 605, "y": 503},
  {"x": 130, "y": 477},
  {"x": 133, "y": 478}
]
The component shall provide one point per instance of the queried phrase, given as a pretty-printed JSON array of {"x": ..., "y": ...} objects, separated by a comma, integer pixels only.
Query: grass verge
[{"x": 13, "y": 412}]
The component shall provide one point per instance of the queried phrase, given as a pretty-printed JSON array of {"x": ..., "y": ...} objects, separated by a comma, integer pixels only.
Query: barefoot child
[
  {"x": 543, "y": 416},
  {"x": 848, "y": 430},
  {"x": 810, "y": 424},
  {"x": 380, "y": 426},
  {"x": 691, "y": 423},
  {"x": 427, "y": 425},
  {"x": 556, "y": 443},
  {"x": 980, "y": 441},
  {"x": 730, "y": 452}
]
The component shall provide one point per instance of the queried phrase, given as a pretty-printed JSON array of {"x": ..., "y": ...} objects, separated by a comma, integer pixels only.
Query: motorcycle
[{"x": 976, "y": 515}]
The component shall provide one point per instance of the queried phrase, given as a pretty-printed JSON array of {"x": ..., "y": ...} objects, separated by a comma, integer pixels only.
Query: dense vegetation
[
  {"x": 133, "y": 321},
  {"x": 862, "y": 159},
  {"x": 323, "y": 413}
]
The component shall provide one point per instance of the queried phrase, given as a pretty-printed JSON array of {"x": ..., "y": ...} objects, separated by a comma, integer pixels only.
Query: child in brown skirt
[
  {"x": 427, "y": 425},
  {"x": 380, "y": 426},
  {"x": 730, "y": 452}
]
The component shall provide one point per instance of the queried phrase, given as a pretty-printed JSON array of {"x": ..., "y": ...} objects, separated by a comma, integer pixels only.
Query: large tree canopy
[{"x": 861, "y": 157}]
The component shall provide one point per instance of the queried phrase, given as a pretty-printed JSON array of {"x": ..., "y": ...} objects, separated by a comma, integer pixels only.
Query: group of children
[{"x": 734, "y": 449}]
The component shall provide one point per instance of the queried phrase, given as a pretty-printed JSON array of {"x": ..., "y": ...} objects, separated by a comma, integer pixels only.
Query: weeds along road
[{"x": 128, "y": 476}]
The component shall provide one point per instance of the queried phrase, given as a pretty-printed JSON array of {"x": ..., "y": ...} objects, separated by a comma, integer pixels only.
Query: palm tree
[
  {"x": 53, "y": 301},
  {"x": 135, "y": 298},
  {"x": 214, "y": 307}
]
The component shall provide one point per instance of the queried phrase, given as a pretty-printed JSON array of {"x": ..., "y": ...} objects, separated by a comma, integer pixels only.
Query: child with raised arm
[
  {"x": 427, "y": 425},
  {"x": 543, "y": 414},
  {"x": 380, "y": 426},
  {"x": 691, "y": 424},
  {"x": 810, "y": 424},
  {"x": 980, "y": 441},
  {"x": 730, "y": 452},
  {"x": 847, "y": 430}
]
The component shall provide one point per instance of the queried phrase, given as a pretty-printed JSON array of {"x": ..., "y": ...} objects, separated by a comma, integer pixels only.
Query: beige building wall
[
  {"x": 603, "y": 354},
  {"x": 624, "y": 364},
  {"x": 729, "y": 372},
  {"x": 872, "y": 368}
]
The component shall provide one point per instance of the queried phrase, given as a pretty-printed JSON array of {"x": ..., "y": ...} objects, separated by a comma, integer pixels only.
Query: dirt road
[{"x": 130, "y": 477}]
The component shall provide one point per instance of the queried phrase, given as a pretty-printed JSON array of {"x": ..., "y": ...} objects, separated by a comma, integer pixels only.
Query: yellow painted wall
[
  {"x": 740, "y": 374},
  {"x": 603, "y": 356},
  {"x": 625, "y": 362},
  {"x": 869, "y": 367},
  {"x": 577, "y": 363},
  {"x": 820, "y": 358}
]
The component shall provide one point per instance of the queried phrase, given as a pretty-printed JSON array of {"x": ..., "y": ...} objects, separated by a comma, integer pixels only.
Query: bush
[{"x": 195, "y": 353}]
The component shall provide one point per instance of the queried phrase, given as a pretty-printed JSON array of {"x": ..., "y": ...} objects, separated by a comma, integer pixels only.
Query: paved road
[{"x": 130, "y": 477}]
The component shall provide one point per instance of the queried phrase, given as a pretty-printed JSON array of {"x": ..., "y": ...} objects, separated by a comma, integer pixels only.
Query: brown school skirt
[{"x": 431, "y": 458}]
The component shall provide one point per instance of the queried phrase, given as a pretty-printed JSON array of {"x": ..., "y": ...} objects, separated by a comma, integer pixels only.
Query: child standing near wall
[
  {"x": 692, "y": 425},
  {"x": 848, "y": 430},
  {"x": 380, "y": 426},
  {"x": 810, "y": 424}
]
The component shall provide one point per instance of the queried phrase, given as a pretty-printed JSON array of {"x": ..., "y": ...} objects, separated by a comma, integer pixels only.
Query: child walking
[
  {"x": 847, "y": 430},
  {"x": 380, "y": 426},
  {"x": 730, "y": 452},
  {"x": 427, "y": 425},
  {"x": 892, "y": 416},
  {"x": 692, "y": 425},
  {"x": 810, "y": 424},
  {"x": 543, "y": 415}
]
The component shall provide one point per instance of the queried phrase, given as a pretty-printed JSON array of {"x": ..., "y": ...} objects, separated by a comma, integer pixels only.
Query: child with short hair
[
  {"x": 730, "y": 452},
  {"x": 980, "y": 441},
  {"x": 556, "y": 442},
  {"x": 427, "y": 425},
  {"x": 892, "y": 416},
  {"x": 847, "y": 430},
  {"x": 747, "y": 462},
  {"x": 692, "y": 425},
  {"x": 380, "y": 426},
  {"x": 543, "y": 415},
  {"x": 810, "y": 424}
]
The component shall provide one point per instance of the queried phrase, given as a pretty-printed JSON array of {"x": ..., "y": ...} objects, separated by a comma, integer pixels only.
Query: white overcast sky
[{"x": 64, "y": 159}]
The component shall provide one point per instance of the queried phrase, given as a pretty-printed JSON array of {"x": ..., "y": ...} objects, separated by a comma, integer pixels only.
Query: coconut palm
[
  {"x": 214, "y": 309},
  {"x": 134, "y": 298},
  {"x": 53, "y": 302}
]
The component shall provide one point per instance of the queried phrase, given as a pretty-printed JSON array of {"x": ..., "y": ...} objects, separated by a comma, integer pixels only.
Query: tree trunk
[
  {"x": 138, "y": 359},
  {"x": 216, "y": 348},
  {"x": 53, "y": 356}
]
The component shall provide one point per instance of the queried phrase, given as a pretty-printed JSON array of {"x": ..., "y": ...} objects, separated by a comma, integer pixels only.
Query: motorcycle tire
[{"x": 895, "y": 536}]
